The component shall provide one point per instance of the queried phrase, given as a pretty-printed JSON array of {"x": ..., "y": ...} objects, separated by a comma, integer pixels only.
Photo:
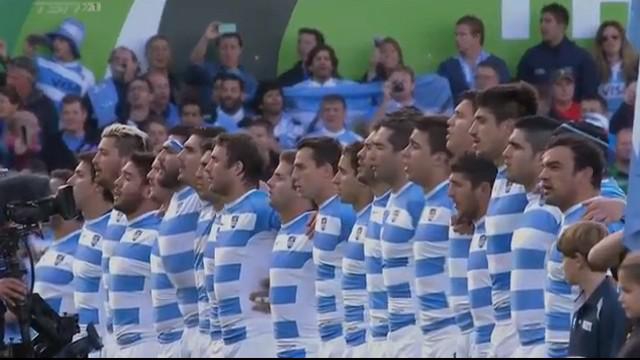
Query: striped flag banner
[
  {"x": 632, "y": 216},
  {"x": 633, "y": 27}
]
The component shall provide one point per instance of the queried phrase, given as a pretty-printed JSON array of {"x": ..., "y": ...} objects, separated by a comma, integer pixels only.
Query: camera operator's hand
[{"x": 12, "y": 291}]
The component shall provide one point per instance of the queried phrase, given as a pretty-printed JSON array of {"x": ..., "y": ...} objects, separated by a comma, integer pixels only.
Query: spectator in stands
[
  {"x": 22, "y": 139},
  {"x": 617, "y": 63},
  {"x": 158, "y": 133},
  {"x": 107, "y": 96},
  {"x": 387, "y": 56},
  {"x": 487, "y": 76},
  {"x": 230, "y": 114},
  {"x": 229, "y": 54},
  {"x": 629, "y": 280},
  {"x": 21, "y": 75},
  {"x": 333, "y": 115},
  {"x": 139, "y": 98},
  {"x": 161, "y": 104},
  {"x": 598, "y": 327},
  {"x": 9, "y": 104},
  {"x": 322, "y": 63},
  {"x": 63, "y": 73},
  {"x": 269, "y": 104},
  {"x": 308, "y": 38},
  {"x": 191, "y": 113},
  {"x": 398, "y": 93},
  {"x": 160, "y": 59},
  {"x": 556, "y": 51},
  {"x": 75, "y": 134},
  {"x": 594, "y": 104},
  {"x": 619, "y": 170},
  {"x": 563, "y": 105},
  {"x": 461, "y": 69},
  {"x": 623, "y": 117},
  {"x": 261, "y": 131}
]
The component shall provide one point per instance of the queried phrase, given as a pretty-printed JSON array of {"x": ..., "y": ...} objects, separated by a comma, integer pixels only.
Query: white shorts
[
  {"x": 190, "y": 342},
  {"x": 262, "y": 346},
  {"x": 170, "y": 351},
  {"x": 463, "y": 345},
  {"x": 378, "y": 349},
  {"x": 531, "y": 352},
  {"x": 143, "y": 349},
  {"x": 405, "y": 342},
  {"x": 203, "y": 343},
  {"x": 504, "y": 340},
  {"x": 109, "y": 346},
  {"x": 215, "y": 349},
  {"x": 440, "y": 346},
  {"x": 359, "y": 352},
  {"x": 332, "y": 349},
  {"x": 480, "y": 351}
]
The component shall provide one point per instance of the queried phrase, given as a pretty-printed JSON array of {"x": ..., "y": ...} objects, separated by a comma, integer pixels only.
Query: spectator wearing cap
[
  {"x": 556, "y": 51},
  {"x": 386, "y": 57},
  {"x": 229, "y": 114},
  {"x": 161, "y": 104},
  {"x": 598, "y": 327},
  {"x": 229, "y": 55},
  {"x": 106, "y": 96},
  {"x": 160, "y": 59},
  {"x": 21, "y": 76},
  {"x": 308, "y": 38},
  {"x": 563, "y": 105},
  {"x": 617, "y": 63},
  {"x": 269, "y": 104},
  {"x": 619, "y": 170},
  {"x": 63, "y": 73},
  {"x": 461, "y": 69}
]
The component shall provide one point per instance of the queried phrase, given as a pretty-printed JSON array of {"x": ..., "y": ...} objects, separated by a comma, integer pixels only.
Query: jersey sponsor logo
[
  {"x": 508, "y": 187},
  {"x": 234, "y": 221},
  {"x": 291, "y": 241},
  {"x": 323, "y": 223},
  {"x": 94, "y": 240},
  {"x": 482, "y": 241},
  {"x": 136, "y": 235},
  {"x": 394, "y": 215},
  {"x": 59, "y": 259},
  {"x": 432, "y": 214},
  {"x": 359, "y": 232}
]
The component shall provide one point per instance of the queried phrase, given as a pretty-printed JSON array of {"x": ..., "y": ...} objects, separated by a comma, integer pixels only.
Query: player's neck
[
  {"x": 146, "y": 207},
  {"x": 294, "y": 209},
  {"x": 97, "y": 208},
  {"x": 399, "y": 183},
  {"x": 325, "y": 194},
  {"x": 363, "y": 201},
  {"x": 582, "y": 196},
  {"x": 239, "y": 191},
  {"x": 438, "y": 176},
  {"x": 66, "y": 228},
  {"x": 379, "y": 189}
]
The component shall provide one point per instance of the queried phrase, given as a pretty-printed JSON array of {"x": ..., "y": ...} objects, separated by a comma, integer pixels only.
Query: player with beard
[
  {"x": 129, "y": 265},
  {"x": 117, "y": 144}
]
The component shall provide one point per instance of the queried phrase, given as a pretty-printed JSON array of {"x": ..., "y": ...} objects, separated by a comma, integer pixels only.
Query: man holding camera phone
[{"x": 397, "y": 93}]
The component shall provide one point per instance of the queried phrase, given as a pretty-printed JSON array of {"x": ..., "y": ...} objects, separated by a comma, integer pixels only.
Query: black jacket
[{"x": 292, "y": 76}]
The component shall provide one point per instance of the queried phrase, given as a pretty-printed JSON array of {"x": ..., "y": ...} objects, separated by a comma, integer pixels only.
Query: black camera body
[{"x": 397, "y": 86}]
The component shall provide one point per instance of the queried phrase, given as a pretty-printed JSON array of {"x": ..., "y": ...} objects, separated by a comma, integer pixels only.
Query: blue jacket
[
  {"x": 539, "y": 62},
  {"x": 452, "y": 71}
]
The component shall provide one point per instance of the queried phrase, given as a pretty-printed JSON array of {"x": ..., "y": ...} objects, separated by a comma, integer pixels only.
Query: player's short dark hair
[
  {"x": 351, "y": 152},
  {"x": 475, "y": 169},
  {"x": 435, "y": 126},
  {"x": 585, "y": 155},
  {"x": 142, "y": 161},
  {"x": 509, "y": 101},
  {"x": 325, "y": 150},
  {"x": 241, "y": 148},
  {"x": 537, "y": 130},
  {"x": 401, "y": 128}
]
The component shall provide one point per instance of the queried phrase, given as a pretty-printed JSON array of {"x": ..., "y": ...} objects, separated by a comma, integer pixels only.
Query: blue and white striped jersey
[
  {"x": 292, "y": 290},
  {"x": 560, "y": 296},
  {"x": 57, "y": 79},
  {"x": 247, "y": 232},
  {"x": 205, "y": 222},
  {"x": 459, "y": 245},
  {"x": 176, "y": 244},
  {"x": 479, "y": 282},
  {"x": 378, "y": 302},
  {"x": 167, "y": 318},
  {"x": 115, "y": 229},
  {"x": 215, "y": 329},
  {"x": 130, "y": 287},
  {"x": 402, "y": 215},
  {"x": 531, "y": 242},
  {"x": 334, "y": 222},
  {"x": 54, "y": 274},
  {"x": 507, "y": 203},
  {"x": 89, "y": 296},
  {"x": 430, "y": 249},
  {"x": 354, "y": 282}
]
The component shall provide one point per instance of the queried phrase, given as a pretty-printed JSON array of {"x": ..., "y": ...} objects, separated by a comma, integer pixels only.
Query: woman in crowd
[{"x": 387, "y": 55}]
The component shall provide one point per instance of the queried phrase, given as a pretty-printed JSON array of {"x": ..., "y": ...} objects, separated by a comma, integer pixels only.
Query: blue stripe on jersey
[
  {"x": 115, "y": 229},
  {"x": 176, "y": 244},
  {"x": 167, "y": 318},
  {"x": 559, "y": 294},
  {"x": 87, "y": 272},
  {"x": 430, "y": 249},
  {"x": 249, "y": 220},
  {"x": 354, "y": 282},
  {"x": 333, "y": 224},
  {"x": 291, "y": 279},
  {"x": 402, "y": 216},
  {"x": 479, "y": 282},
  {"x": 531, "y": 242},
  {"x": 378, "y": 301},
  {"x": 459, "y": 296},
  {"x": 508, "y": 201},
  {"x": 130, "y": 292},
  {"x": 54, "y": 274},
  {"x": 215, "y": 330},
  {"x": 205, "y": 223}
]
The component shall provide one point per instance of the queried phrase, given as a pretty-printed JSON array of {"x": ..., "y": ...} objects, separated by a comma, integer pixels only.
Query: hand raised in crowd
[
  {"x": 12, "y": 291},
  {"x": 211, "y": 32},
  {"x": 604, "y": 210}
]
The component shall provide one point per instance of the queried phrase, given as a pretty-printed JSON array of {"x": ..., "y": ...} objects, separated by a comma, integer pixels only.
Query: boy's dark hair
[
  {"x": 325, "y": 150},
  {"x": 241, "y": 148},
  {"x": 475, "y": 169},
  {"x": 475, "y": 24},
  {"x": 559, "y": 12},
  {"x": 585, "y": 155},
  {"x": 579, "y": 238},
  {"x": 509, "y": 101}
]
